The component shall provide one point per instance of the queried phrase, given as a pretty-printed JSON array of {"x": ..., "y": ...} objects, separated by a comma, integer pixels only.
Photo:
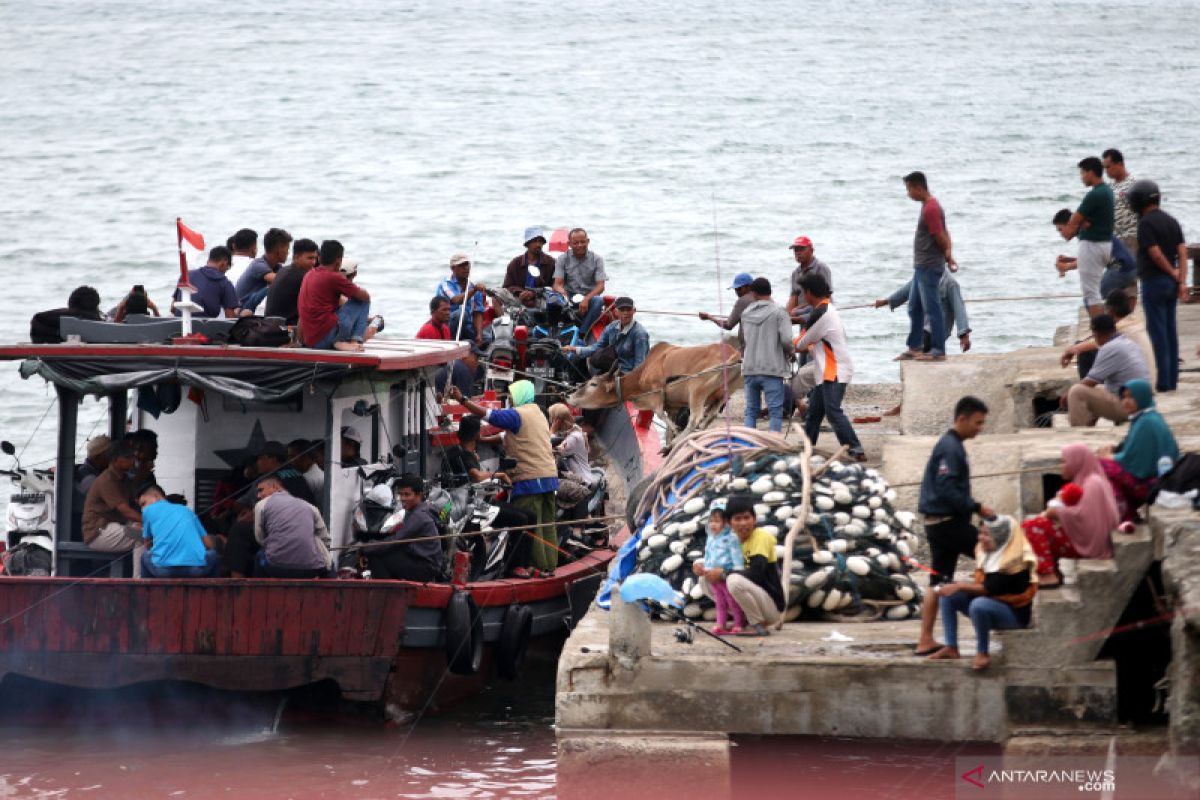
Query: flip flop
[
  {"x": 927, "y": 651},
  {"x": 907, "y": 355}
]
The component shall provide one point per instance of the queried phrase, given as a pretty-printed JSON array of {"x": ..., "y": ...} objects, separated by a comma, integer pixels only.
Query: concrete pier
[{"x": 1046, "y": 680}]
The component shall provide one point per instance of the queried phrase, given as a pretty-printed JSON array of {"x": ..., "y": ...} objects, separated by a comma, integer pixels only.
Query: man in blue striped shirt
[{"x": 462, "y": 293}]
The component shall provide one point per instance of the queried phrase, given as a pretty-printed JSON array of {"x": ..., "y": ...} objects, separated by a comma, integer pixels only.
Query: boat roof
[{"x": 381, "y": 354}]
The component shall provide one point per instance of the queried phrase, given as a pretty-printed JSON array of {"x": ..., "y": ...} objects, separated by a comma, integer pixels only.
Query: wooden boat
[{"x": 383, "y": 642}]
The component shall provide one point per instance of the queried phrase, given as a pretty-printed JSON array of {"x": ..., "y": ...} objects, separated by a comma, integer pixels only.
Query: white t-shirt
[{"x": 237, "y": 265}]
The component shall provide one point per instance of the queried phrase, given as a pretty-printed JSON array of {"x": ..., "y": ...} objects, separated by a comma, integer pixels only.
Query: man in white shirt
[
  {"x": 831, "y": 367},
  {"x": 244, "y": 246}
]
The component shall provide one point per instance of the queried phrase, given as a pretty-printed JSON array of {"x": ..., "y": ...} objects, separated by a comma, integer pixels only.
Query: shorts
[
  {"x": 1092, "y": 260},
  {"x": 947, "y": 541}
]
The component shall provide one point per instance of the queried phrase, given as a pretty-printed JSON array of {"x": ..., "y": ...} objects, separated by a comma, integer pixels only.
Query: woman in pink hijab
[{"x": 1079, "y": 529}]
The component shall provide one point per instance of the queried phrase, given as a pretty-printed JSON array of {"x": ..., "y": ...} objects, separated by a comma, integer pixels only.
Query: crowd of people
[{"x": 1100, "y": 496}]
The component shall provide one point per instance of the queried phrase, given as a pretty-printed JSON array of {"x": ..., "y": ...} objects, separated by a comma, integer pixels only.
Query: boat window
[{"x": 289, "y": 406}]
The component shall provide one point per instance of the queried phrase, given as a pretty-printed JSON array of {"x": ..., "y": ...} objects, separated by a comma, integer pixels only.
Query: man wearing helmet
[{"x": 1162, "y": 271}]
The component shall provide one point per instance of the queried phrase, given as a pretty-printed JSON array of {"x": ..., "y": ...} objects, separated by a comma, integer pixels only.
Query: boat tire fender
[
  {"x": 464, "y": 634},
  {"x": 514, "y": 640}
]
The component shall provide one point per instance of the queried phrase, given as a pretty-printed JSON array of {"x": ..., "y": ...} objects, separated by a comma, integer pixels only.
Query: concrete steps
[{"x": 1070, "y": 624}]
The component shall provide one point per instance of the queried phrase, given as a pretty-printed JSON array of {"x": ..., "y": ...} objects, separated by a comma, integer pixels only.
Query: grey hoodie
[{"x": 768, "y": 333}]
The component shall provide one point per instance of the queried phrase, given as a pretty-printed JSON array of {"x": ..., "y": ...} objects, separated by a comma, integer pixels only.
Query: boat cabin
[{"x": 213, "y": 407}]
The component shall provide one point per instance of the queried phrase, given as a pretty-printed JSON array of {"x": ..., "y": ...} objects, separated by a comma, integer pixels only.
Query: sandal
[
  {"x": 929, "y": 357},
  {"x": 755, "y": 630},
  {"x": 522, "y": 572},
  {"x": 907, "y": 355}
]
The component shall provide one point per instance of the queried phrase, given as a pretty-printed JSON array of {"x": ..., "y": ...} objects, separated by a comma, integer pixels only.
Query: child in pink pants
[{"x": 723, "y": 551}]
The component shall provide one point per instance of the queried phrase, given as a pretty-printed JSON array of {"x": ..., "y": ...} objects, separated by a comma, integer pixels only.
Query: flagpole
[{"x": 186, "y": 304}]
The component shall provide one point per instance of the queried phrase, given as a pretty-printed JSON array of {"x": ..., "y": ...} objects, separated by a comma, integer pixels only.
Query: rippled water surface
[{"x": 693, "y": 141}]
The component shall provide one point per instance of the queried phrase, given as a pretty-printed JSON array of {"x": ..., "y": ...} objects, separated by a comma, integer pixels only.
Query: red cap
[{"x": 801, "y": 241}]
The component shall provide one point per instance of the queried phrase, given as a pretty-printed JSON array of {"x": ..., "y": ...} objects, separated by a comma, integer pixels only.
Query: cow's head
[{"x": 599, "y": 392}]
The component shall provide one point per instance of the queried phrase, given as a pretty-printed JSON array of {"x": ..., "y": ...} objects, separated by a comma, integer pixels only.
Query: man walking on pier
[
  {"x": 947, "y": 507},
  {"x": 931, "y": 256}
]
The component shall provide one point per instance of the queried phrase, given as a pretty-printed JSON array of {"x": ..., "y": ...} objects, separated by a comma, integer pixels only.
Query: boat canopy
[{"x": 244, "y": 380}]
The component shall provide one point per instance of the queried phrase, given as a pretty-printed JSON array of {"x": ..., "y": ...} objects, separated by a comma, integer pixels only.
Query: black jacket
[
  {"x": 946, "y": 485},
  {"x": 44, "y": 328}
]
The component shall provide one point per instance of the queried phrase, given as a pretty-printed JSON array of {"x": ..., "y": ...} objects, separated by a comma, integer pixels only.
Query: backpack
[
  {"x": 1183, "y": 477},
  {"x": 258, "y": 332}
]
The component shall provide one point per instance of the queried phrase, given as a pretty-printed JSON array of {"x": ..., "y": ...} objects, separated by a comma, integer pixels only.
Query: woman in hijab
[
  {"x": 1133, "y": 468},
  {"x": 535, "y": 477},
  {"x": 1076, "y": 523},
  {"x": 1001, "y": 597}
]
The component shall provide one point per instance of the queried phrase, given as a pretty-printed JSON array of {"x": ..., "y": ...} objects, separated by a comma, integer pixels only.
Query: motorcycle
[
  {"x": 29, "y": 522},
  {"x": 582, "y": 539},
  {"x": 503, "y": 352},
  {"x": 377, "y": 515}
]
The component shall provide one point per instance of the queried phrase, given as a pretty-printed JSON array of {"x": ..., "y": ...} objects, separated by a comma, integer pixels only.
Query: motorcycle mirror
[{"x": 8, "y": 448}]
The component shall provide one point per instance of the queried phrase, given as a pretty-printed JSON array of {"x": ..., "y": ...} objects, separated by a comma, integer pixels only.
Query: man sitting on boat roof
[
  {"x": 84, "y": 303},
  {"x": 462, "y": 293},
  {"x": 110, "y": 524},
  {"x": 284, "y": 293},
  {"x": 253, "y": 284},
  {"x": 325, "y": 322},
  {"x": 179, "y": 547},
  {"x": 214, "y": 293}
]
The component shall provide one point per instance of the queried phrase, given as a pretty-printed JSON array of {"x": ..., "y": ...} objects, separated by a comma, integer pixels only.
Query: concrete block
[
  {"x": 604, "y": 764},
  {"x": 628, "y": 632}
]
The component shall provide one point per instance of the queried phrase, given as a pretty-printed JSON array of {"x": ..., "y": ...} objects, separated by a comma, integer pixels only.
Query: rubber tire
[
  {"x": 464, "y": 634},
  {"x": 514, "y": 641},
  {"x": 634, "y": 497}
]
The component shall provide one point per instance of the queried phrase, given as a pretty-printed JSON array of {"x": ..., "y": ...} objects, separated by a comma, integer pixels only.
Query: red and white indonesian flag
[
  {"x": 188, "y": 235},
  {"x": 185, "y": 234}
]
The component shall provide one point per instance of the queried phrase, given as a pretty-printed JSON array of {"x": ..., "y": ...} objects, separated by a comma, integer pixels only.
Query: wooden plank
[
  {"x": 137, "y": 619},
  {"x": 202, "y": 636},
  {"x": 316, "y": 620},
  {"x": 291, "y": 600},
  {"x": 274, "y": 619},
  {"x": 70, "y": 621},
  {"x": 177, "y": 601},
  {"x": 391, "y": 628},
  {"x": 368, "y": 631},
  {"x": 241, "y": 619},
  {"x": 342, "y": 618},
  {"x": 223, "y": 643}
]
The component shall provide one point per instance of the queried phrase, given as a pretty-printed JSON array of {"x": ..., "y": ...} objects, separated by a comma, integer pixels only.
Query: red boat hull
[{"x": 261, "y": 634}]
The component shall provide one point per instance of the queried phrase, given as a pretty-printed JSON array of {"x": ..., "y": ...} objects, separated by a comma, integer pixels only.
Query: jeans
[
  {"x": 352, "y": 324},
  {"x": 594, "y": 309},
  {"x": 771, "y": 387},
  {"x": 1159, "y": 298},
  {"x": 468, "y": 324},
  {"x": 209, "y": 570},
  {"x": 825, "y": 402},
  {"x": 923, "y": 301},
  {"x": 986, "y": 615},
  {"x": 251, "y": 300}
]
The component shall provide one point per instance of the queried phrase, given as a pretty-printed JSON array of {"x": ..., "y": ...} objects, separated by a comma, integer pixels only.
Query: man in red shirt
[
  {"x": 439, "y": 317},
  {"x": 931, "y": 256},
  {"x": 326, "y": 323}
]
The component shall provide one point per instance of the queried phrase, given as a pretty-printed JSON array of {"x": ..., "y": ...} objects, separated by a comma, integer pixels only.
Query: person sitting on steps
[{"x": 1000, "y": 597}]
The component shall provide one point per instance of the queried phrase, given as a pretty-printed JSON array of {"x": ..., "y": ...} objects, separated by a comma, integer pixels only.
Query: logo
[{"x": 974, "y": 781}]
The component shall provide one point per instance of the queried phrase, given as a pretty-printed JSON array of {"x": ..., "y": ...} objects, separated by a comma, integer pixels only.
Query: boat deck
[{"x": 381, "y": 353}]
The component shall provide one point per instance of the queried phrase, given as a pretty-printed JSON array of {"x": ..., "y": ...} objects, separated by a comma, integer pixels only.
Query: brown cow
[{"x": 671, "y": 378}]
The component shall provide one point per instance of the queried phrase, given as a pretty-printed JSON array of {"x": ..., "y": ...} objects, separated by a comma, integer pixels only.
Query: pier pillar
[
  {"x": 635, "y": 765},
  {"x": 628, "y": 632}
]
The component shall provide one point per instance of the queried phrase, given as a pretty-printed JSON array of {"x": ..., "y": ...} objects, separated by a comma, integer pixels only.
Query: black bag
[
  {"x": 258, "y": 332},
  {"x": 1183, "y": 477}
]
